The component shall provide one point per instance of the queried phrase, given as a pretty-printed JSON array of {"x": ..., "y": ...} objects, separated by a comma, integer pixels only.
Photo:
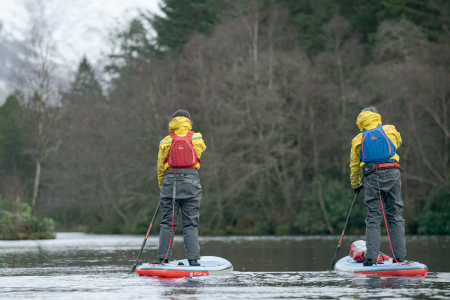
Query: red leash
[
  {"x": 387, "y": 230},
  {"x": 384, "y": 216},
  {"x": 173, "y": 213},
  {"x": 171, "y": 231}
]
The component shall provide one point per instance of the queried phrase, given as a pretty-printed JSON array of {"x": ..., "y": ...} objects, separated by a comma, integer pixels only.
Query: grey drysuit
[
  {"x": 389, "y": 182},
  {"x": 188, "y": 196}
]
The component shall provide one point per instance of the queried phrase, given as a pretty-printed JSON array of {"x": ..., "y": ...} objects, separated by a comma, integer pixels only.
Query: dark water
[{"x": 85, "y": 266}]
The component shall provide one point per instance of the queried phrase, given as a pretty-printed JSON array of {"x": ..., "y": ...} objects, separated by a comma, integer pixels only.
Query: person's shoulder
[
  {"x": 357, "y": 139},
  {"x": 166, "y": 141},
  {"x": 388, "y": 128},
  {"x": 197, "y": 136}
]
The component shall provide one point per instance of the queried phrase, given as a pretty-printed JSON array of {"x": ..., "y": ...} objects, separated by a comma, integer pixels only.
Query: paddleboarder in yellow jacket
[
  {"x": 178, "y": 164},
  {"x": 374, "y": 153}
]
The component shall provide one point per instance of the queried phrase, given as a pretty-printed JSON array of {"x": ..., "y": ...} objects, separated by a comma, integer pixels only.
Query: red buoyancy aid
[
  {"x": 182, "y": 154},
  {"x": 358, "y": 249}
]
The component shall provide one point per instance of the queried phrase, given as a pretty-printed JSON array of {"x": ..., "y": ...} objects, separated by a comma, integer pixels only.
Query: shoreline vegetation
[
  {"x": 274, "y": 87},
  {"x": 17, "y": 223}
]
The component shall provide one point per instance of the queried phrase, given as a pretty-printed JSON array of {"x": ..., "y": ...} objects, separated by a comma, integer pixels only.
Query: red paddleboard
[
  {"x": 209, "y": 266},
  {"x": 382, "y": 268}
]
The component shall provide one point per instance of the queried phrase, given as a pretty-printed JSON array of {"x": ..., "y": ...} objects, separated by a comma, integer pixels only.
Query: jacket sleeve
[
  {"x": 355, "y": 162},
  {"x": 395, "y": 137},
  {"x": 199, "y": 145},
  {"x": 164, "y": 148}
]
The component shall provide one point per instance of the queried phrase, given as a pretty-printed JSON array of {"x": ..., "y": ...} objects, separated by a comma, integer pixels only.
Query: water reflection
[{"x": 375, "y": 282}]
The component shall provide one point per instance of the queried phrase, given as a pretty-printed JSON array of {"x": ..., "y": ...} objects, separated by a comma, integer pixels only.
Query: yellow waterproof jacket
[
  {"x": 369, "y": 120},
  {"x": 180, "y": 126}
]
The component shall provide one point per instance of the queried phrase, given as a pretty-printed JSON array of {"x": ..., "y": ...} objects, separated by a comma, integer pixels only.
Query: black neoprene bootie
[
  {"x": 400, "y": 259},
  {"x": 161, "y": 261},
  {"x": 194, "y": 262},
  {"x": 369, "y": 262}
]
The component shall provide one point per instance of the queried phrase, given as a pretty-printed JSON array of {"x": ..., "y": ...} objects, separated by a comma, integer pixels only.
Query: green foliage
[
  {"x": 182, "y": 18},
  {"x": 85, "y": 83},
  {"x": 282, "y": 230},
  {"x": 435, "y": 216},
  {"x": 308, "y": 18},
  {"x": 133, "y": 45},
  {"x": 17, "y": 223},
  {"x": 276, "y": 122},
  {"x": 263, "y": 228},
  {"x": 85, "y": 89},
  {"x": 426, "y": 13},
  {"x": 365, "y": 15},
  {"x": 338, "y": 198},
  {"x": 13, "y": 138},
  {"x": 110, "y": 225}
]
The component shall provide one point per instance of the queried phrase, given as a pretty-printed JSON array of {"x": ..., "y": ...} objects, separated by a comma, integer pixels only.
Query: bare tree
[
  {"x": 36, "y": 79},
  {"x": 277, "y": 122},
  {"x": 341, "y": 64}
]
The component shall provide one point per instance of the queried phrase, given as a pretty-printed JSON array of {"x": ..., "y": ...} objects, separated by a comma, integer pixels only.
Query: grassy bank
[{"x": 17, "y": 223}]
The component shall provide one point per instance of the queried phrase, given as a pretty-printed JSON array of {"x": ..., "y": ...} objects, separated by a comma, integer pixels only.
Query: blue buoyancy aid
[{"x": 376, "y": 147}]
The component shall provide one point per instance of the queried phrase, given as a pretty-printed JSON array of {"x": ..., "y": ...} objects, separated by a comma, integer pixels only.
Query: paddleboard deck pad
[
  {"x": 209, "y": 266},
  {"x": 387, "y": 268}
]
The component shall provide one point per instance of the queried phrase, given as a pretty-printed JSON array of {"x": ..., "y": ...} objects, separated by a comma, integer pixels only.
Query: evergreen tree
[
  {"x": 13, "y": 138},
  {"x": 85, "y": 82},
  {"x": 366, "y": 15},
  {"x": 85, "y": 88},
  {"x": 182, "y": 18},
  {"x": 133, "y": 46},
  {"x": 307, "y": 17}
]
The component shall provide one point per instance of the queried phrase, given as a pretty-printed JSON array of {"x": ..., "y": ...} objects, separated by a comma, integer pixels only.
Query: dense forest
[{"x": 274, "y": 86}]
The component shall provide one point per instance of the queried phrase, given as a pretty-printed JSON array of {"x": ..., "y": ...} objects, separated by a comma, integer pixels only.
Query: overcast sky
[{"x": 81, "y": 27}]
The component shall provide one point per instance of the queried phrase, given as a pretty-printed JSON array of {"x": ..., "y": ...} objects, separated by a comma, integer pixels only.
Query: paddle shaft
[
  {"x": 145, "y": 240},
  {"x": 343, "y": 231}
]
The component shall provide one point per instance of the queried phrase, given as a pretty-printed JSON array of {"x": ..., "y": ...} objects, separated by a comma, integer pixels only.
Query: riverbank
[{"x": 17, "y": 223}]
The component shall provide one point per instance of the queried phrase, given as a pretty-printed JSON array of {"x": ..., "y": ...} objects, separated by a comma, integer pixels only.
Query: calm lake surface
[{"x": 88, "y": 266}]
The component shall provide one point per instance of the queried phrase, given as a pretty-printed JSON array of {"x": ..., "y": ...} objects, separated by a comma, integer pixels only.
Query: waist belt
[
  {"x": 389, "y": 165},
  {"x": 182, "y": 171},
  {"x": 369, "y": 168}
]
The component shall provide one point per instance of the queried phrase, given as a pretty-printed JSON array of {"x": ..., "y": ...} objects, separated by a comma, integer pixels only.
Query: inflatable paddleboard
[
  {"x": 383, "y": 268},
  {"x": 209, "y": 266}
]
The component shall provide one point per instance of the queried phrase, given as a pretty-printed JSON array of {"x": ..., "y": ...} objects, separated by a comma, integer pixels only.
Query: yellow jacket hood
[
  {"x": 366, "y": 118},
  {"x": 180, "y": 125}
]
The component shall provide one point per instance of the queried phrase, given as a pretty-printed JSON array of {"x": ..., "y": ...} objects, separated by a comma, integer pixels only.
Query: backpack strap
[
  {"x": 173, "y": 136},
  {"x": 190, "y": 135},
  {"x": 364, "y": 133}
]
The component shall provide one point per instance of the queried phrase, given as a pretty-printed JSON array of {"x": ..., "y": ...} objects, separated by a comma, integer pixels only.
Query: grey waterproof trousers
[
  {"x": 389, "y": 182},
  {"x": 188, "y": 195}
]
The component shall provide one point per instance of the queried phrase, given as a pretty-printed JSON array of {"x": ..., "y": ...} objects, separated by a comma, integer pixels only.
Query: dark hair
[{"x": 182, "y": 113}]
